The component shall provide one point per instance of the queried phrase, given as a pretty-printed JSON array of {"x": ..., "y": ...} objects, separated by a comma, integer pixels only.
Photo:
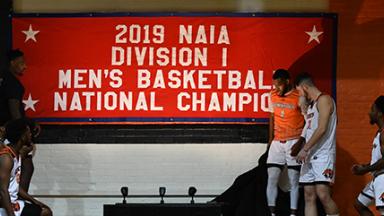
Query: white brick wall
[{"x": 101, "y": 169}]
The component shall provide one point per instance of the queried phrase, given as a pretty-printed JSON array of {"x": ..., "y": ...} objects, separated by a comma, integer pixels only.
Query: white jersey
[
  {"x": 326, "y": 146},
  {"x": 376, "y": 153},
  {"x": 14, "y": 181}
]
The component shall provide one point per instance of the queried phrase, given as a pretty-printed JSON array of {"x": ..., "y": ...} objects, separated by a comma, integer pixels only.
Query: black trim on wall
[{"x": 188, "y": 133}]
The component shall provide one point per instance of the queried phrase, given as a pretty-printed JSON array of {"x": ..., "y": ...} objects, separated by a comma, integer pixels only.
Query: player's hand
[
  {"x": 295, "y": 149},
  {"x": 24, "y": 151},
  {"x": 302, "y": 156},
  {"x": 42, "y": 205},
  {"x": 358, "y": 169}
]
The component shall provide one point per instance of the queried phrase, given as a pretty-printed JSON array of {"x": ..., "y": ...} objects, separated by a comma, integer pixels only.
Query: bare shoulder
[
  {"x": 325, "y": 102},
  {"x": 6, "y": 160},
  {"x": 325, "y": 99}
]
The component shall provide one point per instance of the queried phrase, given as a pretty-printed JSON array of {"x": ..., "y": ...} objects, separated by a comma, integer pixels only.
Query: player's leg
[
  {"x": 324, "y": 171},
  {"x": 273, "y": 179},
  {"x": 306, "y": 179},
  {"x": 31, "y": 210},
  {"x": 46, "y": 212},
  {"x": 364, "y": 200},
  {"x": 310, "y": 208},
  {"x": 293, "y": 175},
  {"x": 275, "y": 163},
  {"x": 323, "y": 191},
  {"x": 362, "y": 209},
  {"x": 378, "y": 189}
]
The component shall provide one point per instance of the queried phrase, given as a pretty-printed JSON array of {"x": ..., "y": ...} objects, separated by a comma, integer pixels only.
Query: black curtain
[{"x": 247, "y": 195}]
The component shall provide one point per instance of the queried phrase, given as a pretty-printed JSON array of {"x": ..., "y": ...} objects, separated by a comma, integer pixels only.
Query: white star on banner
[
  {"x": 30, "y": 34},
  {"x": 314, "y": 35},
  {"x": 30, "y": 103}
]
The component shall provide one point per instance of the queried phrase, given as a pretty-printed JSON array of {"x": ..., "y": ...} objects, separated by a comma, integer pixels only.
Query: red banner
[{"x": 165, "y": 69}]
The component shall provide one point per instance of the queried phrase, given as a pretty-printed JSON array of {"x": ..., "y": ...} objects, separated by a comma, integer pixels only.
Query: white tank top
[
  {"x": 14, "y": 181},
  {"x": 326, "y": 146},
  {"x": 376, "y": 153}
]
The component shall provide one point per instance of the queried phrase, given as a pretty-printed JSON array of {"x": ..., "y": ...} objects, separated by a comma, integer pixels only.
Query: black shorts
[{"x": 31, "y": 210}]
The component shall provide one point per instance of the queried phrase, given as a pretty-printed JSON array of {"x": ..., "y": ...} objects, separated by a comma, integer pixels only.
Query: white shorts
[
  {"x": 280, "y": 153},
  {"x": 373, "y": 191},
  {"x": 319, "y": 169},
  {"x": 18, "y": 208}
]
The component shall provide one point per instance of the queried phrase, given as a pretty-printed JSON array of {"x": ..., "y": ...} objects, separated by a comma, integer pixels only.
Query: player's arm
[
  {"x": 14, "y": 108},
  {"x": 271, "y": 128},
  {"x": 6, "y": 165},
  {"x": 271, "y": 121},
  {"x": 306, "y": 125},
  {"x": 325, "y": 108},
  {"x": 25, "y": 196},
  {"x": 295, "y": 149}
]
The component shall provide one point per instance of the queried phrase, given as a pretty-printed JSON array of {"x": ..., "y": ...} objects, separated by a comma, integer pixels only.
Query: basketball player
[
  {"x": 286, "y": 124},
  {"x": 374, "y": 190},
  {"x": 318, "y": 154},
  {"x": 19, "y": 135}
]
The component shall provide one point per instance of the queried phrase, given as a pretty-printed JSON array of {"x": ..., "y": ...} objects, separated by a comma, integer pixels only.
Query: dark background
[{"x": 188, "y": 133}]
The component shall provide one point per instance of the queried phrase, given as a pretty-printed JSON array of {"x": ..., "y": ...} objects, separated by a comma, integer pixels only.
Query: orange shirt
[{"x": 288, "y": 120}]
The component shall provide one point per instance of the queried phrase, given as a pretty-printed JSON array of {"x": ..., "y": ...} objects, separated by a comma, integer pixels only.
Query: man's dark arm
[
  {"x": 14, "y": 108},
  {"x": 271, "y": 128},
  {"x": 25, "y": 196}
]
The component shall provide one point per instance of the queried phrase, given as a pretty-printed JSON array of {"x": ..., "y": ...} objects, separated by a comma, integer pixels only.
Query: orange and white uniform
[
  {"x": 288, "y": 120},
  {"x": 14, "y": 181},
  {"x": 288, "y": 126}
]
